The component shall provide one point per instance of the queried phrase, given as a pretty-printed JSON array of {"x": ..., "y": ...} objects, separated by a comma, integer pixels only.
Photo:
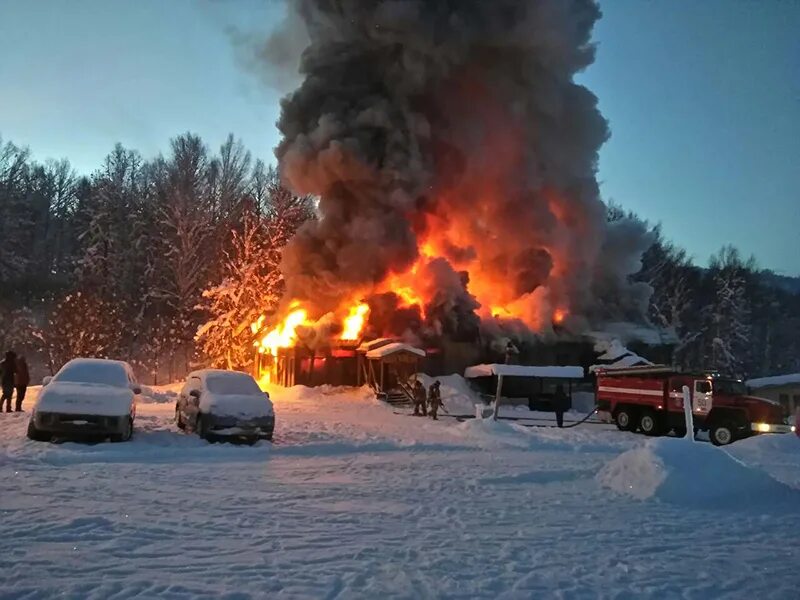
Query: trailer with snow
[{"x": 650, "y": 399}]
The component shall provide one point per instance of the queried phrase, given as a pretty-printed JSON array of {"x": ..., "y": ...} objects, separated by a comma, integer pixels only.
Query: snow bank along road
[{"x": 357, "y": 502}]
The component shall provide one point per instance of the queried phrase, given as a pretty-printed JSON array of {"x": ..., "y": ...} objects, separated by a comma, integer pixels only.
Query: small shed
[
  {"x": 301, "y": 365},
  {"x": 391, "y": 369},
  {"x": 536, "y": 384},
  {"x": 362, "y": 350},
  {"x": 784, "y": 389}
]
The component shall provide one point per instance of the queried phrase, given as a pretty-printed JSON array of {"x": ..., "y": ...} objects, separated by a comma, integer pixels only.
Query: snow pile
[
  {"x": 457, "y": 395},
  {"x": 160, "y": 394},
  {"x": 695, "y": 476}
]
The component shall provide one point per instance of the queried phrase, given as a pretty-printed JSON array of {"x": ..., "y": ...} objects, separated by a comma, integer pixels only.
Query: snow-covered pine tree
[
  {"x": 251, "y": 282},
  {"x": 729, "y": 326},
  {"x": 673, "y": 305},
  {"x": 285, "y": 211},
  {"x": 16, "y": 219},
  {"x": 251, "y": 286},
  {"x": 184, "y": 251}
]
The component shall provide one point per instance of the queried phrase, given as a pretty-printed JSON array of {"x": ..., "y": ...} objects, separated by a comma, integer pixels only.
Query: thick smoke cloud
[{"x": 458, "y": 121}]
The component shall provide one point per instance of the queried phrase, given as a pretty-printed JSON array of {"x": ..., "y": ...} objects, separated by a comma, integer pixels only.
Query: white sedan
[
  {"x": 216, "y": 403},
  {"x": 87, "y": 397}
]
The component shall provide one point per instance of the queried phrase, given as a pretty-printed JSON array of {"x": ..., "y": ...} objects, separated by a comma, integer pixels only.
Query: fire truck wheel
[
  {"x": 649, "y": 423},
  {"x": 625, "y": 420},
  {"x": 722, "y": 434}
]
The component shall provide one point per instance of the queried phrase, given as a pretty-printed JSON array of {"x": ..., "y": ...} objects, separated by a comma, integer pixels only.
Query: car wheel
[
  {"x": 37, "y": 435},
  {"x": 179, "y": 418},
  {"x": 200, "y": 426},
  {"x": 126, "y": 433},
  {"x": 649, "y": 423},
  {"x": 624, "y": 420},
  {"x": 722, "y": 434}
]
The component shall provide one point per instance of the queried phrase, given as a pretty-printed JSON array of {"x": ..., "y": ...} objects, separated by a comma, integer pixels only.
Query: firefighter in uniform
[
  {"x": 420, "y": 398},
  {"x": 435, "y": 399}
]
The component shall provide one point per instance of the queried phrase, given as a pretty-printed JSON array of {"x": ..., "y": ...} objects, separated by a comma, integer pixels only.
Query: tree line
[
  {"x": 731, "y": 317},
  {"x": 132, "y": 260},
  {"x": 166, "y": 262}
]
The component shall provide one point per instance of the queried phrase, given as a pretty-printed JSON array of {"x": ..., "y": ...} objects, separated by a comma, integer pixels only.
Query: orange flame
[
  {"x": 354, "y": 322},
  {"x": 559, "y": 316},
  {"x": 284, "y": 335}
]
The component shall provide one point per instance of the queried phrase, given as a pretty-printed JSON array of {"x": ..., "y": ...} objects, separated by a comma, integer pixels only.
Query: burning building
[{"x": 454, "y": 157}]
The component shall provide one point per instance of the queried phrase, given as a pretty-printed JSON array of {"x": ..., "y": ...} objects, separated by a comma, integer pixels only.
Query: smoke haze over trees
[{"x": 165, "y": 261}]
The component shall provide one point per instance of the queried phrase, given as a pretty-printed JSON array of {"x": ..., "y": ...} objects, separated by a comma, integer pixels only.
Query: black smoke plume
[{"x": 461, "y": 116}]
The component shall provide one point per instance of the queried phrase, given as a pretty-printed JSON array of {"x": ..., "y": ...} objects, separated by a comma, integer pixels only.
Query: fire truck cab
[{"x": 650, "y": 399}]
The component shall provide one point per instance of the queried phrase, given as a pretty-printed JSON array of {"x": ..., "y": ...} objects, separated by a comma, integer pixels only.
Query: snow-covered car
[
  {"x": 87, "y": 397},
  {"x": 216, "y": 403}
]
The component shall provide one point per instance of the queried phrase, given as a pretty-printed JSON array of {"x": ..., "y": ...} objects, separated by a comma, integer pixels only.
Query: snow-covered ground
[{"x": 355, "y": 501}]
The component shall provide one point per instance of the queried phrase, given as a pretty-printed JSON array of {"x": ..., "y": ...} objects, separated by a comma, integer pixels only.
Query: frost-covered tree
[
  {"x": 251, "y": 286},
  {"x": 82, "y": 324},
  {"x": 728, "y": 326},
  {"x": 20, "y": 332},
  {"x": 16, "y": 218},
  {"x": 673, "y": 304},
  {"x": 251, "y": 282},
  {"x": 184, "y": 248}
]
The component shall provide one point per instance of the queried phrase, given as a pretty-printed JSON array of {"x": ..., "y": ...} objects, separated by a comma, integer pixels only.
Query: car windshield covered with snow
[
  {"x": 87, "y": 397},
  {"x": 97, "y": 372},
  {"x": 229, "y": 404},
  {"x": 232, "y": 384}
]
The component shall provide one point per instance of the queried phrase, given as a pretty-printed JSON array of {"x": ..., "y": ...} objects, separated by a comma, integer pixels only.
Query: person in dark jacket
[
  {"x": 560, "y": 402},
  {"x": 420, "y": 397},
  {"x": 8, "y": 370},
  {"x": 435, "y": 399},
  {"x": 22, "y": 380}
]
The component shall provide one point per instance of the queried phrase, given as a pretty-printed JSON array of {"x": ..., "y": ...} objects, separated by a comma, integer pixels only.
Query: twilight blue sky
[{"x": 703, "y": 100}]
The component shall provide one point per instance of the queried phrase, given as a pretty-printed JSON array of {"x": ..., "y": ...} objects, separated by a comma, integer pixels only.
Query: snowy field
[{"x": 355, "y": 501}]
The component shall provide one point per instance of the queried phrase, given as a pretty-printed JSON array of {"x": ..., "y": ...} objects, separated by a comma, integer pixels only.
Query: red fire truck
[{"x": 650, "y": 399}]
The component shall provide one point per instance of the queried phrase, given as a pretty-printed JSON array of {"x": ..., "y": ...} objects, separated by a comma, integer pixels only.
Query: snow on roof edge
[
  {"x": 552, "y": 372},
  {"x": 774, "y": 381},
  {"x": 393, "y": 348},
  {"x": 368, "y": 345}
]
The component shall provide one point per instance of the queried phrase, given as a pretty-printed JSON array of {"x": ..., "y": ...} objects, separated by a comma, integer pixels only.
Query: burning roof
[{"x": 454, "y": 157}]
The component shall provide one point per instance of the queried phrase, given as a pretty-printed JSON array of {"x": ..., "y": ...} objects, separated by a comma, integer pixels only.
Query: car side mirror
[
  {"x": 194, "y": 393},
  {"x": 46, "y": 380}
]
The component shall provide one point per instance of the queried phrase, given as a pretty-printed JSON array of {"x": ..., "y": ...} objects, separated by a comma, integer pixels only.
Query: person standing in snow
[
  {"x": 420, "y": 397},
  {"x": 560, "y": 402},
  {"x": 8, "y": 370},
  {"x": 22, "y": 380},
  {"x": 435, "y": 399}
]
